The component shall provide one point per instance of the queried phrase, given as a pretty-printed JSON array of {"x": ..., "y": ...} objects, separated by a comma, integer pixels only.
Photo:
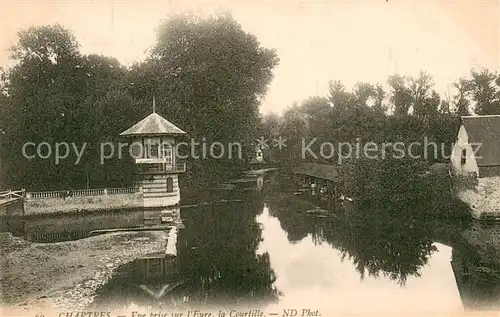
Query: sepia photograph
[{"x": 249, "y": 158}]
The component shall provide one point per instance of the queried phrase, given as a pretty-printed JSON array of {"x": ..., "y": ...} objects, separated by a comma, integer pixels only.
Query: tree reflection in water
[
  {"x": 390, "y": 228},
  {"x": 391, "y": 247},
  {"x": 218, "y": 254},
  {"x": 216, "y": 265},
  {"x": 375, "y": 242},
  {"x": 395, "y": 239},
  {"x": 387, "y": 230},
  {"x": 293, "y": 217}
]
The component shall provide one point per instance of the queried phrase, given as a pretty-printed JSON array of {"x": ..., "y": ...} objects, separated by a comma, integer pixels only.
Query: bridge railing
[
  {"x": 12, "y": 194},
  {"x": 83, "y": 192},
  {"x": 125, "y": 190}
]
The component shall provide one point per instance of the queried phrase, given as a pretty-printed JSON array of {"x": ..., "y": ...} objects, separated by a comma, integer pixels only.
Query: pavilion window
[
  {"x": 167, "y": 154},
  {"x": 464, "y": 156},
  {"x": 136, "y": 149},
  {"x": 153, "y": 151},
  {"x": 170, "y": 184}
]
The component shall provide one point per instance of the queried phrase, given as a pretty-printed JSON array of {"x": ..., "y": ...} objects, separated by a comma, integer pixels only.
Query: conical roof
[{"x": 154, "y": 124}]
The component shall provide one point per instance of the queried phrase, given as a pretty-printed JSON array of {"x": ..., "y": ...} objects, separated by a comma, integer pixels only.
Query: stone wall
[
  {"x": 47, "y": 227},
  {"x": 12, "y": 208},
  {"x": 8, "y": 213},
  {"x": 82, "y": 203}
]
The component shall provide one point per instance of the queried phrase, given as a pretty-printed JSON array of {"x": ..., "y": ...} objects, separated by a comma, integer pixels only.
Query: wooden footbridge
[
  {"x": 10, "y": 196},
  {"x": 12, "y": 202}
]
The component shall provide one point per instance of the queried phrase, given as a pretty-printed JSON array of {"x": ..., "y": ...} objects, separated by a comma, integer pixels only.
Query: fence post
[{"x": 105, "y": 191}]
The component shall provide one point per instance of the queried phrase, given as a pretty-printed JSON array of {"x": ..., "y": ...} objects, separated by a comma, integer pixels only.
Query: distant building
[
  {"x": 257, "y": 161},
  {"x": 153, "y": 147},
  {"x": 320, "y": 180},
  {"x": 477, "y": 148},
  {"x": 317, "y": 172}
]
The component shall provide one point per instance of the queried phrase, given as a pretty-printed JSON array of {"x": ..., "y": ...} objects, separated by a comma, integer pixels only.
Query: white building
[
  {"x": 153, "y": 142},
  {"x": 475, "y": 166},
  {"x": 477, "y": 148}
]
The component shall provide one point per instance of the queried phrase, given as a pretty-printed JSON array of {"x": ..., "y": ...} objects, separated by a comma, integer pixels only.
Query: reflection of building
[
  {"x": 478, "y": 285},
  {"x": 153, "y": 149},
  {"x": 150, "y": 281},
  {"x": 154, "y": 269},
  {"x": 260, "y": 182},
  {"x": 476, "y": 266}
]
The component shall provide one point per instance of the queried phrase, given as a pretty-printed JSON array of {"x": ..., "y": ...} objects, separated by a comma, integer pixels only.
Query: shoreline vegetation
[
  {"x": 210, "y": 76},
  {"x": 225, "y": 74}
]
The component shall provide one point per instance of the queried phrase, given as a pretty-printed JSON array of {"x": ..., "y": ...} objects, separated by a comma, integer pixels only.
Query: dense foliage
[
  {"x": 207, "y": 74},
  {"x": 409, "y": 111},
  {"x": 209, "y": 77}
]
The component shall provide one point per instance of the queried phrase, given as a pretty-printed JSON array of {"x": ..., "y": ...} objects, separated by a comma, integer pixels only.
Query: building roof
[
  {"x": 154, "y": 124},
  {"x": 323, "y": 171},
  {"x": 484, "y": 130},
  {"x": 255, "y": 161}
]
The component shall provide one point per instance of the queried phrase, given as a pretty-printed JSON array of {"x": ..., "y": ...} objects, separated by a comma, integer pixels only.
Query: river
[
  {"x": 261, "y": 254},
  {"x": 381, "y": 254}
]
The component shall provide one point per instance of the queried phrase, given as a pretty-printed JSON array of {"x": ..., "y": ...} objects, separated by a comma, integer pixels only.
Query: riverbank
[
  {"x": 66, "y": 275},
  {"x": 485, "y": 240},
  {"x": 484, "y": 199}
]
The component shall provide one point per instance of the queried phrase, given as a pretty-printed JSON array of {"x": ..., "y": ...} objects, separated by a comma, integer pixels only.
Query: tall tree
[
  {"x": 314, "y": 105},
  {"x": 400, "y": 95},
  {"x": 485, "y": 92},
  {"x": 363, "y": 92},
  {"x": 270, "y": 125},
  {"x": 54, "y": 94},
  {"x": 42, "y": 89},
  {"x": 426, "y": 101},
  {"x": 209, "y": 77},
  {"x": 214, "y": 73},
  {"x": 379, "y": 97},
  {"x": 460, "y": 99},
  {"x": 339, "y": 96}
]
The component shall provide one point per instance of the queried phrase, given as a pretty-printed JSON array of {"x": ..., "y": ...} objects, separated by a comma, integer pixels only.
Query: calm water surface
[
  {"x": 312, "y": 270},
  {"x": 259, "y": 254}
]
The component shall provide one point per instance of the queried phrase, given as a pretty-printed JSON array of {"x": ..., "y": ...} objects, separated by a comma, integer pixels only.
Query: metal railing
[
  {"x": 163, "y": 168},
  {"x": 83, "y": 192}
]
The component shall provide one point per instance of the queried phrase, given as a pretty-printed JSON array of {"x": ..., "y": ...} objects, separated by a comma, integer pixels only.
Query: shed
[
  {"x": 319, "y": 171},
  {"x": 477, "y": 147}
]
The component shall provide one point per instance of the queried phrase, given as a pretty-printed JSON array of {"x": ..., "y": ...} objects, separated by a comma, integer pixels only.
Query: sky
[{"x": 316, "y": 41}]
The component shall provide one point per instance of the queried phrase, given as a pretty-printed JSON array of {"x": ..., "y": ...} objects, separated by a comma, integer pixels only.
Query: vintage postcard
[{"x": 249, "y": 158}]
